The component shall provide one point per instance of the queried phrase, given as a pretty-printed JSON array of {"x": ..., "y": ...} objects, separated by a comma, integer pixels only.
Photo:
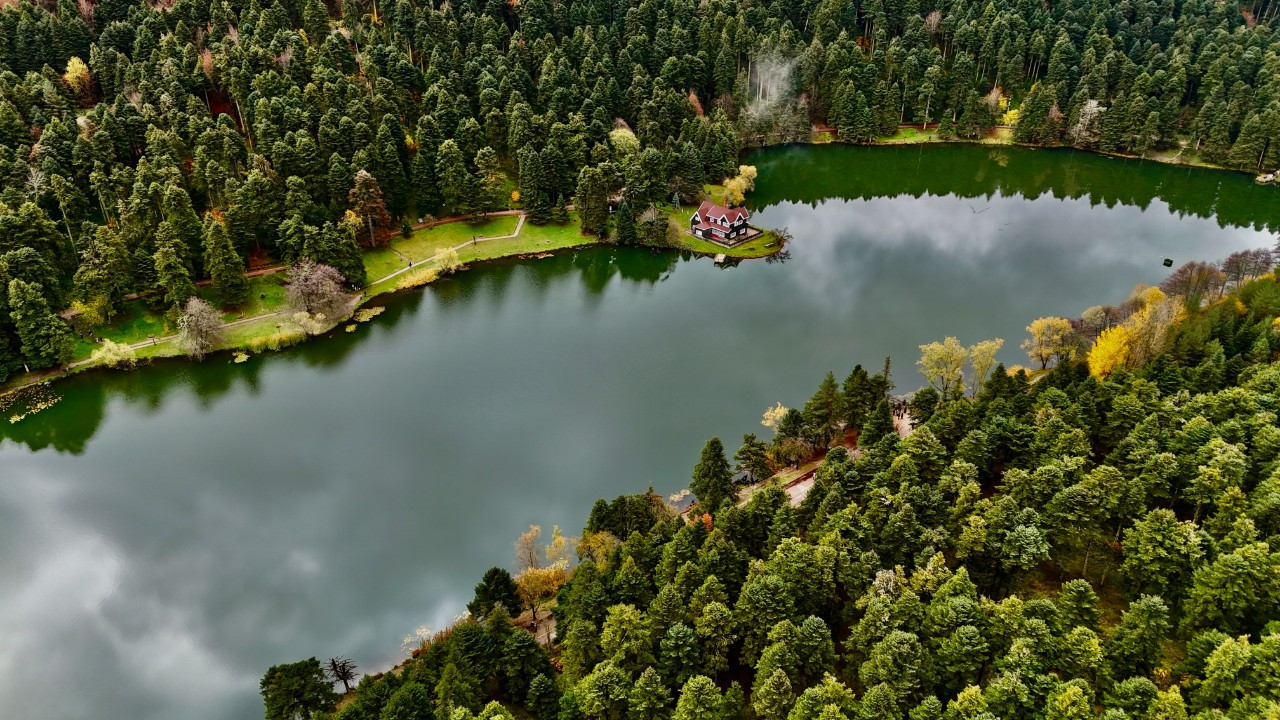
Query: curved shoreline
[
  {"x": 999, "y": 136},
  {"x": 365, "y": 296},
  {"x": 361, "y": 298}
]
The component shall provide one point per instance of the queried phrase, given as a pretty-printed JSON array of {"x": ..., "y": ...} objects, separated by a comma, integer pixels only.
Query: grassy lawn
[
  {"x": 425, "y": 243},
  {"x": 715, "y": 193},
  {"x": 381, "y": 262},
  {"x": 241, "y": 334},
  {"x": 132, "y": 324},
  {"x": 136, "y": 321},
  {"x": 266, "y": 294},
  {"x": 766, "y": 244},
  {"x": 532, "y": 239},
  {"x": 1001, "y": 136},
  {"x": 910, "y": 135}
]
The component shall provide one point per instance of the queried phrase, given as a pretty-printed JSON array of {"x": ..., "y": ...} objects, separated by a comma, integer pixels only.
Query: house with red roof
[{"x": 727, "y": 226}]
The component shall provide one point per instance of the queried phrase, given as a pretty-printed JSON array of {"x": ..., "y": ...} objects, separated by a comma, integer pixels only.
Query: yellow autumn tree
[
  {"x": 597, "y": 547},
  {"x": 1148, "y": 327},
  {"x": 773, "y": 416},
  {"x": 1110, "y": 351},
  {"x": 737, "y": 187},
  {"x": 942, "y": 364},
  {"x": 77, "y": 78},
  {"x": 735, "y": 190},
  {"x": 1050, "y": 337}
]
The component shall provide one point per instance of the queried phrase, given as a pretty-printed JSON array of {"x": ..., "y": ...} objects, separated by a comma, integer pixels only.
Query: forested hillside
[
  {"x": 1101, "y": 542},
  {"x": 148, "y": 145}
]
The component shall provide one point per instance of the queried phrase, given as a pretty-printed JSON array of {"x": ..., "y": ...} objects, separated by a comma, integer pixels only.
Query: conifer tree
[
  {"x": 224, "y": 265},
  {"x": 712, "y": 479},
  {"x": 650, "y": 697},
  {"x": 172, "y": 277},
  {"x": 365, "y": 200},
  {"x": 591, "y": 202},
  {"x": 46, "y": 340},
  {"x": 625, "y": 222}
]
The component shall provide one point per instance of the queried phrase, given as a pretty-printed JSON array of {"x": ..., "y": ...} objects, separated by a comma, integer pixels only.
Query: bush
[
  {"x": 276, "y": 341},
  {"x": 114, "y": 354},
  {"x": 418, "y": 279}
]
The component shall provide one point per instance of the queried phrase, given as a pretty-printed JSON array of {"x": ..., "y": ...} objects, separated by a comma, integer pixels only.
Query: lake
[{"x": 167, "y": 534}]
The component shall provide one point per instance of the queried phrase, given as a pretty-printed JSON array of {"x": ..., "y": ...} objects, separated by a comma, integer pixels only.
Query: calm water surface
[{"x": 166, "y": 535}]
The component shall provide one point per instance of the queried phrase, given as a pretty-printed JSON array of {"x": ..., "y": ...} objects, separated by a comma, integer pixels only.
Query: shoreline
[
  {"x": 288, "y": 333},
  {"x": 404, "y": 280},
  {"x": 999, "y": 136}
]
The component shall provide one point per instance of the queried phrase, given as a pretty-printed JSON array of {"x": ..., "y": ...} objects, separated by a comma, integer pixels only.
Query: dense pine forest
[
  {"x": 1100, "y": 539},
  {"x": 147, "y": 146}
]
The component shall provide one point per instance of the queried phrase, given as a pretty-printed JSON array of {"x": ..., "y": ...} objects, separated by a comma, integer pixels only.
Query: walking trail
[
  {"x": 472, "y": 241},
  {"x": 40, "y": 376},
  {"x": 798, "y": 487}
]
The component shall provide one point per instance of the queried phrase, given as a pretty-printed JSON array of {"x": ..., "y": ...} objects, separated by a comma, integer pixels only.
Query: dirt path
[
  {"x": 269, "y": 270},
  {"x": 903, "y": 425},
  {"x": 472, "y": 241},
  {"x": 798, "y": 487}
]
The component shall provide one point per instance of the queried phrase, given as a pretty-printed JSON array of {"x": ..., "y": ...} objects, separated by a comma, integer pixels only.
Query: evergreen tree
[
  {"x": 172, "y": 277},
  {"x": 495, "y": 588},
  {"x": 752, "y": 458},
  {"x": 46, "y": 340},
  {"x": 365, "y": 200},
  {"x": 224, "y": 265},
  {"x": 457, "y": 186},
  {"x": 625, "y": 223},
  {"x": 712, "y": 479},
  {"x": 649, "y": 697},
  {"x": 592, "y": 203}
]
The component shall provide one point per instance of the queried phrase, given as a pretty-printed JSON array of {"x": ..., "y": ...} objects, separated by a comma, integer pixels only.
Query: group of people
[{"x": 899, "y": 407}]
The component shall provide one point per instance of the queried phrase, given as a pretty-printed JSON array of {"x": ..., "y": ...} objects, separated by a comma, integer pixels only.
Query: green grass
[
  {"x": 266, "y": 294},
  {"x": 136, "y": 321},
  {"x": 380, "y": 262},
  {"x": 132, "y": 324},
  {"x": 422, "y": 244},
  {"x": 765, "y": 245},
  {"x": 425, "y": 243},
  {"x": 910, "y": 135},
  {"x": 532, "y": 239}
]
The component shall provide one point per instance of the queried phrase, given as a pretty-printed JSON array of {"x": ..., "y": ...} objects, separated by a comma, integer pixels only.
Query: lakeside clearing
[
  {"x": 1184, "y": 154},
  {"x": 262, "y": 324},
  {"x": 408, "y": 262}
]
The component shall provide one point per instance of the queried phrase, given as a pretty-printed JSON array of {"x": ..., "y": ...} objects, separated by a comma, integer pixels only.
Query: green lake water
[{"x": 167, "y": 534}]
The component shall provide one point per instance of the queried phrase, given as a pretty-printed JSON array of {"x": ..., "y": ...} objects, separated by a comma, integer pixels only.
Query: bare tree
[
  {"x": 342, "y": 670},
  {"x": 1261, "y": 261},
  {"x": 1234, "y": 266},
  {"x": 1194, "y": 279},
  {"x": 1085, "y": 131},
  {"x": 36, "y": 180},
  {"x": 528, "y": 549},
  {"x": 199, "y": 328},
  {"x": 315, "y": 288},
  {"x": 932, "y": 22}
]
